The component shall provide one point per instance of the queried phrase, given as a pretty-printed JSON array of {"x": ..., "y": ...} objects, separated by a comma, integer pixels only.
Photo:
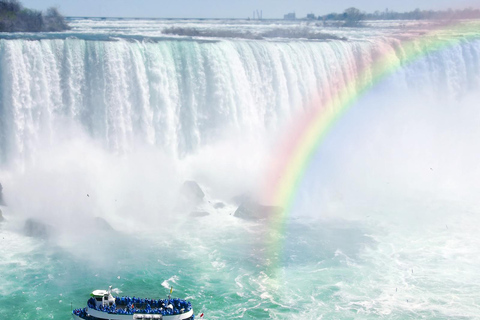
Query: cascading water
[
  {"x": 127, "y": 120},
  {"x": 179, "y": 95}
]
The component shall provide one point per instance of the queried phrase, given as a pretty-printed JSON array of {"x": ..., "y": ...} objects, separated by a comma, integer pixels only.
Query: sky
[{"x": 233, "y": 8}]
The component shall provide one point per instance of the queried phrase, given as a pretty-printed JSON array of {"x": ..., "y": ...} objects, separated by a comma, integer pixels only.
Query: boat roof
[{"x": 99, "y": 293}]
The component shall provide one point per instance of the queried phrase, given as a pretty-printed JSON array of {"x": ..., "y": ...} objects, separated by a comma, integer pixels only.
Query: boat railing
[
  {"x": 82, "y": 313},
  {"x": 131, "y": 305}
]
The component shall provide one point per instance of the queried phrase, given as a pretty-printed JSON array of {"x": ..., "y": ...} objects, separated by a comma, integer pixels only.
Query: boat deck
[{"x": 137, "y": 308}]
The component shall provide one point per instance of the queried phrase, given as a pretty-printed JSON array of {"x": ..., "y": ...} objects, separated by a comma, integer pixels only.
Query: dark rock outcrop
[
  {"x": 37, "y": 229},
  {"x": 252, "y": 210},
  {"x": 190, "y": 196},
  {"x": 198, "y": 214},
  {"x": 192, "y": 192},
  {"x": 2, "y": 203},
  {"x": 242, "y": 198},
  {"x": 102, "y": 224},
  {"x": 219, "y": 205}
]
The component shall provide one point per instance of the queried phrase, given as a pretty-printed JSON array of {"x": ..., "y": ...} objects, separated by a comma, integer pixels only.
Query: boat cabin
[{"x": 103, "y": 297}]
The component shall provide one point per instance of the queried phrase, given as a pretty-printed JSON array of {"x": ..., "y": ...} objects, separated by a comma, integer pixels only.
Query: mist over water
[{"x": 384, "y": 224}]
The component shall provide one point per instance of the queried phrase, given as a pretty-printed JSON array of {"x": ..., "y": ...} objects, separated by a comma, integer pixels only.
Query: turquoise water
[{"x": 329, "y": 269}]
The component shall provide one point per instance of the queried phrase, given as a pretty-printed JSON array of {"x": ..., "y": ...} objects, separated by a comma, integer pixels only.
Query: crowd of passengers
[
  {"x": 82, "y": 313},
  {"x": 126, "y": 305}
]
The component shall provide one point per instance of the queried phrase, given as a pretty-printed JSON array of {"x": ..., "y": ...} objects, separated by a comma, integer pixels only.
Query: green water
[{"x": 330, "y": 269}]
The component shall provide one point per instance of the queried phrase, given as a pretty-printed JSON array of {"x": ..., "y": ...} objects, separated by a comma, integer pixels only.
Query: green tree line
[
  {"x": 353, "y": 16},
  {"x": 15, "y": 18}
]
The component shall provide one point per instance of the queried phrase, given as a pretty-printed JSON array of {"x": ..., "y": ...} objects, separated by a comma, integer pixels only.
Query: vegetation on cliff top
[
  {"x": 15, "y": 18},
  {"x": 353, "y": 17}
]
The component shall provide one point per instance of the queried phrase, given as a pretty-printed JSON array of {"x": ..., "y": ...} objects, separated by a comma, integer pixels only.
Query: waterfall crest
[{"x": 181, "y": 95}]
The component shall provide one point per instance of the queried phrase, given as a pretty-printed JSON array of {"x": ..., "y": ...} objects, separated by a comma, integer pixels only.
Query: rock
[
  {"x": 242, "y": 198},
  {"x": 198, "y": 214},
  {"x": 251, "y": 210},
  {"x": 102, "y": 224},
  {"x": 2, "y": 203},
  {"x": 37, "y": 229},
  {"x": 192, "y": 192},
  {"x": 190, "y": 196},
  {"x": 1, "y": 216},
  {"x": 219, "y": 205}
]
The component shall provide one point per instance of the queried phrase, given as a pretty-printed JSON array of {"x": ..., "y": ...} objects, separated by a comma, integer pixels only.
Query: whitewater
[{"x": 109, "y": 119}]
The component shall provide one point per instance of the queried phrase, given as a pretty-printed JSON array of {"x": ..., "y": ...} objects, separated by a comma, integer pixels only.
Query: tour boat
[{"x": 104, "y": 306}]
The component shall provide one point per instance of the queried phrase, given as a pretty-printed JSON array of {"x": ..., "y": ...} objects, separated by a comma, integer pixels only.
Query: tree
[
  {"x": 54, "y": 21},
  {"x": 29, "y": 20},
  {"x": 15, "y": 18},
  {"x": 10, "y": 6},
  {"x": 352, "y": 17}
]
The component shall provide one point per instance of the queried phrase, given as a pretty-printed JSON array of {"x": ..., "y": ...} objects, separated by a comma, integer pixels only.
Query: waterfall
[{"x": 181, "y": 95}]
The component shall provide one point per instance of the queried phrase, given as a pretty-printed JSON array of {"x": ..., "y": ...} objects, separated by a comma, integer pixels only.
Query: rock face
[
  {"x": 2, "y": 203},
  {"x": 37, "y": 229},
  {"x": 102, "y": 224},
  {"x": 190, "y": 196},
  {"x": 242, "y": 198},
  {"x": 192, "y": 192},
  {"x": 251, "y": 210},
  {"x": 1, "y": 216},
  {"x": 219, "y": 205},
  {"x": 199, "y": 214}
]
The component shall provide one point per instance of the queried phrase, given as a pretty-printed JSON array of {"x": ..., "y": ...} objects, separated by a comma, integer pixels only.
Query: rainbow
[{"x": 313, "y": 126}]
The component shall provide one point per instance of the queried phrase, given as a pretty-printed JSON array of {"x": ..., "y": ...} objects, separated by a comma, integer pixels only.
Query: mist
[{"x": 397, "y": 155}]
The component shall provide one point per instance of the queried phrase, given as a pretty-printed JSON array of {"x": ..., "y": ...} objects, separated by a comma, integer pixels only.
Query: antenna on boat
[{"x": 170, "y": 295}]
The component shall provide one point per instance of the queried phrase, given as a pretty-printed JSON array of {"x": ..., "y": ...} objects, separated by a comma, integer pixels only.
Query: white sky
[{"x": 233, "y": 8}]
